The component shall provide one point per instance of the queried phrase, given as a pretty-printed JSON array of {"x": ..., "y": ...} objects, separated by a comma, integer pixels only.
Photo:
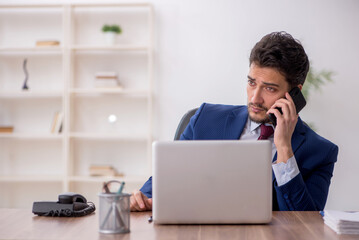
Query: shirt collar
[{"x": 253, "y": 126}]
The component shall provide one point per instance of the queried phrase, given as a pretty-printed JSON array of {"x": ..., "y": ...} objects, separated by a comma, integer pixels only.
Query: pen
[
  {"x": 121, "y": 188},
  {"x": 106, "y": 188}
]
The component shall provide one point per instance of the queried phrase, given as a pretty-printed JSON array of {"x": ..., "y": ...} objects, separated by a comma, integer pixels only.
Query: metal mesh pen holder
[{"x": 114, "y": 212}]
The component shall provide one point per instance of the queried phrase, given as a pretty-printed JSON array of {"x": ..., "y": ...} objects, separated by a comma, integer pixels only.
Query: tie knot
[{"x": 266, "y": 132}]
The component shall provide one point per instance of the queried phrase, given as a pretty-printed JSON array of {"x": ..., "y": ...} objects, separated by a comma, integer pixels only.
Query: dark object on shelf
[
  {"x": 25, "y": 87},
  {"x": 69, "y": 205}
]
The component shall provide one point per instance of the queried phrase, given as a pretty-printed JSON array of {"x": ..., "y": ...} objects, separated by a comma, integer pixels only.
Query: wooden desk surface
[{"x": 22, "y": 224}]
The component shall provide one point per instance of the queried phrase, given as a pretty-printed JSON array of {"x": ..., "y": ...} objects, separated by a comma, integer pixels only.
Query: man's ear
[{"x": 300, "y": 86}]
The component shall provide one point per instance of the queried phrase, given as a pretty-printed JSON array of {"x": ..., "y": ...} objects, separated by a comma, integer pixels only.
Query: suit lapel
[
  {"x": 235, "y": 123},
  {"x": 298, "y": 135}
]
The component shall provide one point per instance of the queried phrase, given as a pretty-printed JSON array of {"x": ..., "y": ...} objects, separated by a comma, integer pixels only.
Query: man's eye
[
  {"x": 271, "y": 89},
  {"x": 251, "y": 83}
]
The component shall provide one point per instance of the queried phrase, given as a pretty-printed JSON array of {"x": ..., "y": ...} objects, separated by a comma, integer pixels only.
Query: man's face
[{"x": 265, "y": 86}]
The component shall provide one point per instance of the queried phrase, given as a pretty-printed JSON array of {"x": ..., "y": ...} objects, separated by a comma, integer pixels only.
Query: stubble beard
[{"x": 257, "y": 119}]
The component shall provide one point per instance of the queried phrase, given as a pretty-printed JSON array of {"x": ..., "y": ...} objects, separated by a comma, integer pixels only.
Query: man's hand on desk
[{"x": 139, "y": 202}]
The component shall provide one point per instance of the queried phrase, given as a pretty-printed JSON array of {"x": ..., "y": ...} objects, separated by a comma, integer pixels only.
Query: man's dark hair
[{"x": 279, "y": 50}]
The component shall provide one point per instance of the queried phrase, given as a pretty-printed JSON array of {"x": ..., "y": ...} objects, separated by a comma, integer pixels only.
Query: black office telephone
[
  {"x": 299, "y": 102},
  {"x": 69, "y": 205}
]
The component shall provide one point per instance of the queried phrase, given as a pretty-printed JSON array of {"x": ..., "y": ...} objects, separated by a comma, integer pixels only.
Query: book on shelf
[
  {"x": 6, "y": 129},
  {"x": 57, "y": 122},
  {"x": 41, "y": 43},
  {"x": 109, "y": 75},
  {"x": 104, "y": 170},
  {"x": 107, "y": 79}
]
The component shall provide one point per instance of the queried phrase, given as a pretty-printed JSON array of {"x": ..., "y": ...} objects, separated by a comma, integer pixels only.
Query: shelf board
[
  {"x": 141, "y": 93},
  {"x": 139, "y": 4},
  {"x": 105, "y": 136},
  {"x": 77, "y": 5},
  {"x": 31, "y": 94},
  {"x": 32, "y": 136},
  {"x": 35, "y": 50},
  {"x": 109, "y": 48},
  {"x": 31, "y": 178},
  {"x": 101, "y": 179},
  {"x": 31, "y": 6}
]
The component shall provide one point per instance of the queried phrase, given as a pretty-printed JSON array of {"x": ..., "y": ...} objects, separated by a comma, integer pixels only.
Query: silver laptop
[{"x": 212, "y": 182}]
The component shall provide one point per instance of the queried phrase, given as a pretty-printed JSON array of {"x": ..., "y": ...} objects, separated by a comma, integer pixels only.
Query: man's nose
[{"x": 257, "y": 97}]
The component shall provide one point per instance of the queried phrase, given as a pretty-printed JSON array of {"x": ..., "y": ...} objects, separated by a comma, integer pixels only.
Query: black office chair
[{"x": 184, "y": 122}]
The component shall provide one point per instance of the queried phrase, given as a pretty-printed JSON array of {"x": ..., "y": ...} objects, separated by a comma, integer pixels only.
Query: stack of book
[
  {"x": 6, "y": 129},
  {"x": 103, "y": 170},
  {"x": 107, "y": 80},
  {"x": 342, "y": 222},
  {"x": 44, "y": 43}
]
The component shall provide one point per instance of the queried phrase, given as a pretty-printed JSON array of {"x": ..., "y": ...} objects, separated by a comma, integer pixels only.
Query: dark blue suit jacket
[{"x": 315, "y": 156}]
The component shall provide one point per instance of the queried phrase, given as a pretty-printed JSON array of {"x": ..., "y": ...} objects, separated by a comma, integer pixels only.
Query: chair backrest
[{"x": 184, "y": 122}]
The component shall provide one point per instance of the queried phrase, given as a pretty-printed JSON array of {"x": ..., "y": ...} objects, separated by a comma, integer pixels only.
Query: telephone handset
[
  {"x": 69, "y": 198},
  {"x": 69, "y": 205},
  {"x": 299, "y": 102}
]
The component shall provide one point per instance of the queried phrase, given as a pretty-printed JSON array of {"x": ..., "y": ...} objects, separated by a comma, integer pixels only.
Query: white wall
[
  {"x": 202, "y": 56},
  {"x": 202, "y": 50}
]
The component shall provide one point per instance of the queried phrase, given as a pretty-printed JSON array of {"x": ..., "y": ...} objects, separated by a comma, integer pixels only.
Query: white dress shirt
[{"x": 284, "y": 172}]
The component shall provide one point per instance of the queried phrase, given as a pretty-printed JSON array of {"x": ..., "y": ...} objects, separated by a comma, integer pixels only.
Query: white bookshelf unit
[{"x": 101, "y": 126}]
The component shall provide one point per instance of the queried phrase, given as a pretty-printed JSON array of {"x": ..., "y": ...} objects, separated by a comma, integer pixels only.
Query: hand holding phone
[{"x": 299, "y": 103}]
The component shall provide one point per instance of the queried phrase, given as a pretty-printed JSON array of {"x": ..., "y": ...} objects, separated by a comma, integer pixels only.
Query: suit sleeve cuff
[{"x": 284, "y": 172}]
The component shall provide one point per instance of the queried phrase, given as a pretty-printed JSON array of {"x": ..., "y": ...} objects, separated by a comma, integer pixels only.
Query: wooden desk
[{"x": 22, "y": 224}]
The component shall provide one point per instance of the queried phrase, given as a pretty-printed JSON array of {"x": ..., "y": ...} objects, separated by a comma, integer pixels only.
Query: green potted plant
[
  {"x": 314, "y": 82},
  {"x": 111, "y": 32}
]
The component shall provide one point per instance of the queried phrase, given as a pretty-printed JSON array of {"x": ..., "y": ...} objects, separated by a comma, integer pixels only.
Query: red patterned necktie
[{"x": 266, "y": 132}]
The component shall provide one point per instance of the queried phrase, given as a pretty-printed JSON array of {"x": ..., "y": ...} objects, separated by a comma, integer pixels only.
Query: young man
[{"x": 303, "y": 161}]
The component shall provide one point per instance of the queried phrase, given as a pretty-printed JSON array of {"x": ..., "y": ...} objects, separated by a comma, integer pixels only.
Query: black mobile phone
[{"x": 299, "y": 103}]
